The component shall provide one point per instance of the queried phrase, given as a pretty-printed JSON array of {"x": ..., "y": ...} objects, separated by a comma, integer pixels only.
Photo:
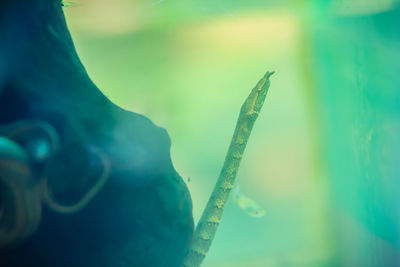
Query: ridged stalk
[{"x": 211, "y": 217}]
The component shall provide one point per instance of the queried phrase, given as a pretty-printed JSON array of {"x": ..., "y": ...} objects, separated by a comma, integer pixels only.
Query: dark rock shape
[{"x": 143, "y": 214}]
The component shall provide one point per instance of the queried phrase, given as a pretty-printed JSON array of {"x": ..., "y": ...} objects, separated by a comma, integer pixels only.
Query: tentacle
[
  {"x": 49, "y": 199},
  {"x": 20, "y": 199},
  {"x": 20, "y": 131},
  {"x": 212, "y": 214}
]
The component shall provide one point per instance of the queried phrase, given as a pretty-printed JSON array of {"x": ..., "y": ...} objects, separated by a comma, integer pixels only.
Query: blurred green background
[{"x": 323, "y": 159}]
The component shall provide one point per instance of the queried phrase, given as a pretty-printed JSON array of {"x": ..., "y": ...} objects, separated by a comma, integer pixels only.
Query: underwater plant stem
[{"x": 211, "y": 217}]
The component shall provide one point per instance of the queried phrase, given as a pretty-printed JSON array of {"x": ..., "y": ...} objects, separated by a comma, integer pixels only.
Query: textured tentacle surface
[{"x": 211, "y": 217}]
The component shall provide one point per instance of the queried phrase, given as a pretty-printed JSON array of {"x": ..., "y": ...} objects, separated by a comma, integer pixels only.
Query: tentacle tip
[{"x": 268, "y": 74}]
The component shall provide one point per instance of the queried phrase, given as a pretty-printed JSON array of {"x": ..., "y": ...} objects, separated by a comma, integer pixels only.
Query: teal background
[{"x": 323, "y": 159}]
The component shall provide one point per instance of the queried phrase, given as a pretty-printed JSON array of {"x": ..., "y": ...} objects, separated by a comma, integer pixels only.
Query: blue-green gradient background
[{"x": 323, "y": 158}]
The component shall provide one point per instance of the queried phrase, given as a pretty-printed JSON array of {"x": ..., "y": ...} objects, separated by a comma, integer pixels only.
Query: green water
[{"x": 323, "y": 160}]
